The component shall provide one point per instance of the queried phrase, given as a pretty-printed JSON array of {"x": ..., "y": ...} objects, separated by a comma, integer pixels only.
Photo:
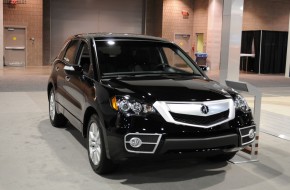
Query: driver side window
[
  {"x": 85, "y": 61},
  {"x": 70, "y": 53}
]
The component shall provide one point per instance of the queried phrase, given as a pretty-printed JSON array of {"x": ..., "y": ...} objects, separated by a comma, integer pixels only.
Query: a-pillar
[
  {"x": 1, "y": 34},
  {"x": 287, "y": 71},
  {"x": 231, "y": 40}
]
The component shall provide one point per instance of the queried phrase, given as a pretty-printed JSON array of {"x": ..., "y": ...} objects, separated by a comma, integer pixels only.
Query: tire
[
  {"x": 56, "y": 119},
  {"x": 96, "y": 148},
  {"x": 222, "y": 157}
]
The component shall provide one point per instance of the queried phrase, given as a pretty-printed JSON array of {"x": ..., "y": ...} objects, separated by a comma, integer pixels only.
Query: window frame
[
  {"x": 185, "y": 57},
  {"x": 74, "y": 54},
  {"x": 82, "y": 45}
]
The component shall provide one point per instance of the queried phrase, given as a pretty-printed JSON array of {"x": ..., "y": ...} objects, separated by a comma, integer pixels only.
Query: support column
[
  {"x": 287, "y": 69},
  {"x": 231, "y": 40},
  {"x": 1, "y": 35},
  {"x": 214, "y": 32}
]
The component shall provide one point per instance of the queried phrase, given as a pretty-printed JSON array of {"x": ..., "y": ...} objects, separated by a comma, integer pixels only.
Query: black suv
[{"x": 134, "y": 95}]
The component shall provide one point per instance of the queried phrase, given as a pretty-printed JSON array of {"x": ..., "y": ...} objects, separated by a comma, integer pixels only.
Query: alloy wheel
[
  {"x": 52, "y": 106},
  {"x": 95, "y": 144}
]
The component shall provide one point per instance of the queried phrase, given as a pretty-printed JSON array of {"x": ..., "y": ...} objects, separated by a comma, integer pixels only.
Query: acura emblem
[{"x": 204, "y": 109}]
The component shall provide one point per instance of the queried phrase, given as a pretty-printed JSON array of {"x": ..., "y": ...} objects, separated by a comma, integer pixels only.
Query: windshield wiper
[
  {"x": 130, "y": 75},
  {"x": 182, "y": 74}
]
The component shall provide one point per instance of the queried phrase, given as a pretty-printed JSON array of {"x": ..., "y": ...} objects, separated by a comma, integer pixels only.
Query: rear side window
[{"x": 70, "y": 53}]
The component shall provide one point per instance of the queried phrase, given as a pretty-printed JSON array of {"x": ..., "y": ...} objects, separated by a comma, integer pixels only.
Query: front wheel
[
  {"x": 56, "y": 119},
  {"x": 96, "y": 148}
]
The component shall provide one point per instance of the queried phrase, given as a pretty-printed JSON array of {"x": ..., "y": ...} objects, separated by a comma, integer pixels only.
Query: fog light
[
  {"x": 252, "y": 133},
  {"x": 135, "y": 142}
]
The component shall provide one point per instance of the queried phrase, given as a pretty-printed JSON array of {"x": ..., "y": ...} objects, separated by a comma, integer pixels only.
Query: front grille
[{"x": 200, "y": 120}]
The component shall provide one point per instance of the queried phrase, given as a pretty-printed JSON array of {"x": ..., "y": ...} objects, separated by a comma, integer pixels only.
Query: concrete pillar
[
  {"x": 231, "y": 40},
  {"x": 214, "y": 32},
  {"x": 1, "y": 35},
  {"x": 287, "y": 70}
]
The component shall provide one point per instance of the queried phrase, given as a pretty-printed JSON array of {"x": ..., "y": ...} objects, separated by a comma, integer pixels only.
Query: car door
[
  {"x": 76, "y": 83},
  {"x": 71, "y": 94},
  {"x": 59, "y": 75}
]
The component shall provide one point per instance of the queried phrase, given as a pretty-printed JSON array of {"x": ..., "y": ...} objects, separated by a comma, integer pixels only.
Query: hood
[{"x": 169, "y": 89}]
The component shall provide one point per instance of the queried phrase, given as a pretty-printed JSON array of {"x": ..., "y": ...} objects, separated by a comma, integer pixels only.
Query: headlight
[
  {"x": 124, "y": 105},
  {"x": 241, "y": 103},
  {"x": 136, "y": 107},
  {"x": 131, "y": 106}
]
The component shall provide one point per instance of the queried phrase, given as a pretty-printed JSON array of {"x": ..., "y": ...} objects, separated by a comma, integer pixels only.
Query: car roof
[{"x": 102, "y": 36}]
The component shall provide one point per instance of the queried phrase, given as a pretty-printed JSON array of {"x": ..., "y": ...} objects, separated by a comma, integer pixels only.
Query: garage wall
[
  {"x": 30, "y": 16},
  {"x": 73, "y": 17},
  {"x": 200, "y": 20},
  {"x": 46, "y": 32},
  {"x": 214, "y": 33},
  {"x": 266, "y": 15},
  {"x": 154, "y": 18},
  {"x": 174, "y": 22},
  {"x": 163, "y": 19}
]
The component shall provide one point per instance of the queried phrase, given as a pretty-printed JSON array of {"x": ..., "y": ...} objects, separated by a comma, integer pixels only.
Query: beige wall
[
  {"x": 164, "y": 19},
  {"x": 200, "y": 21},
  {"x": 174, "y": 22},
  {"x": 214, "y": 33},
  {"x": 154, "y": 18},
  {"x": 266, "y": 15},
  {"x": 1, "y": 34},
  {"x": 30, "y": 16},
  {"x": 46, "y": 32}
]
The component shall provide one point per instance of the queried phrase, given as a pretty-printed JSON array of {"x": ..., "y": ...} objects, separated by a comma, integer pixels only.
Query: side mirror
[
  {"x": 73, "y": 70},
  {"x": 204, "y": 67}
]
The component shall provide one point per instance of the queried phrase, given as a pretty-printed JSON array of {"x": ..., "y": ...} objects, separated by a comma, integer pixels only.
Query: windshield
[{"x": 132, "y": 58}]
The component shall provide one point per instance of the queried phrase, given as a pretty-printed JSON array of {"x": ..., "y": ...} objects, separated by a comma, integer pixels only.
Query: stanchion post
[{"x": 250, "y": 153}]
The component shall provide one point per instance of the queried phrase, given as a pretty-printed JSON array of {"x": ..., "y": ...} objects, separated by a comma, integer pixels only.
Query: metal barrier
[{"x": 249, "y": 153}]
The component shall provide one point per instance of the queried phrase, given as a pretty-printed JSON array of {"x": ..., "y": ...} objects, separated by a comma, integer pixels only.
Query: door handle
[
  {"x": 14, "y": 48},
  {"x": 57, "y": 68},
  {"x": 95, "y": 91},
  {"x": 67, "y": 78}
]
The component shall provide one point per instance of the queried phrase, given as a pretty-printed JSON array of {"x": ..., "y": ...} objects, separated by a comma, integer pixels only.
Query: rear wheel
[
  {"x": 96, "y": 148},
  {"x": 56, "y": 119}
]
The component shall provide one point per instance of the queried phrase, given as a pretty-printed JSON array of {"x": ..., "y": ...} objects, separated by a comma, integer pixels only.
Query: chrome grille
[
  {"x": 191, "y": 113},
  {"x": 200, "y": 120}
]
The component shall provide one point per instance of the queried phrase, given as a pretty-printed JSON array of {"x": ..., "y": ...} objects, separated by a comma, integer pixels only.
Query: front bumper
[
  {"x": 156, "y": 136},
  {"x": 155, "y": 144}
]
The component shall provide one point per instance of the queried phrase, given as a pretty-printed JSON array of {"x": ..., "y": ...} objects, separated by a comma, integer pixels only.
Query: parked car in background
[{"x": 134, "y": 95}]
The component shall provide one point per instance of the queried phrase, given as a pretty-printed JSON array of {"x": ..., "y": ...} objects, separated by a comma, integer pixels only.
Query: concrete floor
[{"x": 35, "y": 155}]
